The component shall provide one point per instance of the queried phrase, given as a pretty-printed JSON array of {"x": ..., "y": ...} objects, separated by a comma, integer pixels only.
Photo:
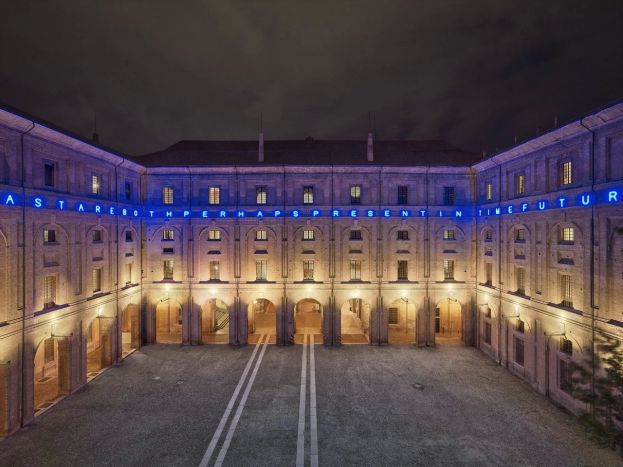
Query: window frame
[
  {"x": 168, "y": 195},
  {"x": 355, "y": 194},
  {"x": 261, "y": 195}
]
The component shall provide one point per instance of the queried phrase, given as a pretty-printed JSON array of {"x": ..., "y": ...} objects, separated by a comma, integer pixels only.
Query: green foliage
[{"x": 598, "y": 381}]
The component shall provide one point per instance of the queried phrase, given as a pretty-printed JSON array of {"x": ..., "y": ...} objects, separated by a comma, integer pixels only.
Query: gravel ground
[{"x": 376, "y": 406}]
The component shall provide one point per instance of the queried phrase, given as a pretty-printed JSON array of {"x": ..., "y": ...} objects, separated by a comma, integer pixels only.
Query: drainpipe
[
  {"x": 117, "y": 255},
  {"x": 191, "y": 265},
  {"x": 592, "y": 266},
  {"x": 23, "y": 186}
]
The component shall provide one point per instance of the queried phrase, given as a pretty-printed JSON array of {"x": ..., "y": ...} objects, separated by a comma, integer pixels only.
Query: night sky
[{"x": 474, "y": 73}]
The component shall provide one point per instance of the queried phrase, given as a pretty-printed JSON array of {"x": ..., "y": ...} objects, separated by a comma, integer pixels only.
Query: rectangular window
[
  {"x": 403, "y": 270},
  {"x": 355, "y": 235},
  {"x": 167, "y": 269},
  {"x": 565, "y": 376},
  {"x": 566, "y": 292},
  {"x": 49, "y": 291},
  {"x": 128, "y": 191},
  {"x": 489, "y": 191},
  {"x": 167, "y": 195},
  {"x": 168, "y": 235},
  {"x": 403, "y": 235},
  {"x": 49, "y": 236},
  {"x": 519, "y": 353},
  {"x": 392, "y": 315},
  {"x": 489, "y": 236},
  {"x": 48, "y": 350},
  {"x": 129, "y": 236},
  {"x": 520, "y": 274},
  {"x": 215, "y": 270},
  {"x": 448, "y": 269},
  {"x": 168, "y": 251},
  {"x": 567, "y": 234},
  {"x": 520, "y": 184},
  {"x": 308, "y": 195},
  {"x": 566, "y": 173},
  {"x": 308, "y": 234},
  {"x": 520, "y": 326},
  {"x": 214, "y": 196},
  {"x": 355, "y": 194},
  {"x": 488, "y": 273},
  {"x": 308, "y": 270},
  {"x": 403, "y": 194},
  {"x": 214, "y": 235},
  {"x": 261, "y": 267},
  {"x": 96, "y": 236},
  {"x": 355, "y": 270},
  {"x": 48, "y": 174},
  {"x": 260, "y": 195},
  {"x": 449, "y": 234},
  {"x": 520, "y": 235},
  {"x": 128, "y": 273},
  {"x": 566, "y": 345},
  {"x": 96, "y": 279},
  {"x": 487, "y": 333},
  {"x": 448, "y": 195},
  {"x": 260, "y": 234},
  {"x": 96, "y": 185}
]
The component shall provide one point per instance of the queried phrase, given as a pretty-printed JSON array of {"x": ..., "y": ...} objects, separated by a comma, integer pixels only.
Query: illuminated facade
[{"x": 520, "y": 254}]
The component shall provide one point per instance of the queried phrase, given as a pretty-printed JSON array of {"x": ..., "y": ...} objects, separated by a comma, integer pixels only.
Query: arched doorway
[
  {"x": 169, "y": 322},
  {"x": 355, "y": 321},
  {"x": 448, "y": 320},
  {"x": 99, "y": 348},
  {"x": 51, "y": 373},
  {"x": 214, "y": 322},
  {"x": 130, "y": 330},
  {"x": 307, "y": 319},
  {"x": 262, "y": 315},
  {"x": 401, "y": 322}
]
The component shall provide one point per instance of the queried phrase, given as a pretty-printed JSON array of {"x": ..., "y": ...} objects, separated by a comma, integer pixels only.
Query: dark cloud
[{"x": 473, "y": 73}]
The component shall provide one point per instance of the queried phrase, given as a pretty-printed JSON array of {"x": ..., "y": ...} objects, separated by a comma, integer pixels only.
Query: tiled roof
[{"x": 308, "y": 152}]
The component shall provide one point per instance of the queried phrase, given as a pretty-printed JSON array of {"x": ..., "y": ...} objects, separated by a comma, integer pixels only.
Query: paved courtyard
[{"x": 375, "y": 406}]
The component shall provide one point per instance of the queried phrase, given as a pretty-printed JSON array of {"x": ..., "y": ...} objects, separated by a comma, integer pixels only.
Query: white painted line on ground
[
  {"x": 313, "y": 419},
  {"x": 300, "y": 440},
  {"x": 241, "y": 404},
  {"x": 230, "y": 406}
]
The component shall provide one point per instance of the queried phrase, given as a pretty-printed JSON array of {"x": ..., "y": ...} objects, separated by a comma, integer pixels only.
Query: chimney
[
  {"x": 260, "y": 154},
  {"x": 370, "y": 148}
]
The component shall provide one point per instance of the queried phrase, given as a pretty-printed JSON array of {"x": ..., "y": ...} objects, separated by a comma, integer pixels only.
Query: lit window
[
  {"x": 449, "y": 234},
  {"x": 566, "y": 291},
  {"x": 215, "y": 270},
  {"x": 520, "y": 235},
  {"x": 49, "y": 236},
  {"x": 128, "y": 273},
  {"x": 308, "y": 234},
  {"x": 403, "y": 194},
  {"x": 355, "y": 270},
  {"x": 448, "y": 195},
  {"x": 167, "y": 195},
  {"x": 214, "y": 235},
  {"x": 448, "y": 269},
  {"x": 489, "y": 191},
  {"x": 96, "y": 280},
  {"x": 520, "y": 184},
  {"x": 214, "y": 195},
  {"x": 308, "y": 270},
  {"x": 567, "y": 234},
  {"x": 96, "y": 186},
  {"x": 308, "y": 195},
  {"x": 261, "y": 267},
  {"x": 521, "y": 280},
  {"x": 48, "y": 174},
  {"x": 168, "y": 235},
  {"x": 355, "y": 194},
  {"x": 566, "y": 173},
  {"x": 355, "y": 235},
  {"x": 96, "y": 236},
  {"x": 260, "y": 195},
  {"x": 403, "y": 235},
  {"x": 49, "y": 291},
  {"x": 167, "y": 269},
  {"x": 261, "y": 234},
  {"x": 403, "y": 270}
]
